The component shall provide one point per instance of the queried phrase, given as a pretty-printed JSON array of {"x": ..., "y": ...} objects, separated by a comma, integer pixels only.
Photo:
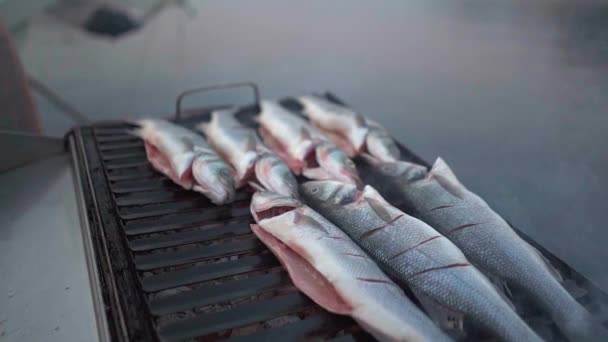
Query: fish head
[
  {"x": 266, "y": 205},
  {"x": 274, "y": 174},
  {"x": 382, "y": 146},
  {"x": 335, "y": 162},
  {"x": 330, "y": 192},
  {"x": 214, "y": 178}
]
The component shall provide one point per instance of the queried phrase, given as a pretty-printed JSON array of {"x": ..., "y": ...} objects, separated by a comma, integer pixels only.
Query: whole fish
[
  {"x": 288, "y": 135},
  {"x": 187, "y": 159},
  {"x": 417, "y": 255},
  {"x": 306, "y": 149},
  {"x": 274, "y": 175},
  {"x": 487, "y": 240},
  {"x": 350, "y": 130},
  {"x": 348, "y": 126},
  {"x": 335, "y": 273},
  {"x": 236, "y": 143},
  {"x": 333, "y": 164},
  {"x": 250, "y": 159},
  {"x": 380, "y": 144}
]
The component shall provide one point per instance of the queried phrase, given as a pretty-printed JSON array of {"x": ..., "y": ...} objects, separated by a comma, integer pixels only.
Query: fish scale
[
  {"x": 417, "y": 255},
  {"x": 371, "y": 297},
  {"x": 486, "y": 239}
]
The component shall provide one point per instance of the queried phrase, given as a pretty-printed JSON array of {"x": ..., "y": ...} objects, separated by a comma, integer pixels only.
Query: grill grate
[
  {"x": 181, "y": 267},
  {"x": 176, "y": 267}
]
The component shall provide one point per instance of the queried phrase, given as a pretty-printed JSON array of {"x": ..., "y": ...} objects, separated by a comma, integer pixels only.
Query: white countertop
[{"x": 45, "y": 293}]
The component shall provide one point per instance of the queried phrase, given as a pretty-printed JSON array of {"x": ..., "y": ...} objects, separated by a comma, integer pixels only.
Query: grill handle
[{"x": 252, "y": 85}]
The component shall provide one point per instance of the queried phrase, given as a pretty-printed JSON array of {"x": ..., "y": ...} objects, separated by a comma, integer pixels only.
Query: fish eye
[{"x": 314, "y": 190}]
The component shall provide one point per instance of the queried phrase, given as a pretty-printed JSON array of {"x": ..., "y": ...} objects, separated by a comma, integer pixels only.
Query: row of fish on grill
[{"x": 343, "y": 239}]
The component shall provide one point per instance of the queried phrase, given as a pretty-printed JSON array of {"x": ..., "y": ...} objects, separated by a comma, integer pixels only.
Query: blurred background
[{"x": 513, "y": 94}]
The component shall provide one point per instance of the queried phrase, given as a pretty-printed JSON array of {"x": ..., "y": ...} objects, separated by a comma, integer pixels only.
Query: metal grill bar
[
  {"x": 247, "y": 314},
  {"x": 208, "y": 234},
  {"x": 199, "y": 274},
  {"x": 180, "y": 257},
  {"x": 209, "y": 294}
]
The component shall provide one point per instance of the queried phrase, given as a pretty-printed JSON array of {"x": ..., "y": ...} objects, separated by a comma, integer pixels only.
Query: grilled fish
[
  {"x": 187, "y": 159},
  {"x": 439, "y": 199},
  {"x": 305, "y": 148},
  {"x": 417, "y": 255},
  {"x": 350, "y": 130},
  {"x": 334, "y": 272}
]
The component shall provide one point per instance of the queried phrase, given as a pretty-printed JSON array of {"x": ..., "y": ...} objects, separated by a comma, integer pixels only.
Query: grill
[{"x": 166, "y": 264}]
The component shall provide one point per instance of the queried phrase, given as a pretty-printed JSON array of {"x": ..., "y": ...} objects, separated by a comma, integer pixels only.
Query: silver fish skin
[
  {"x": 287, "y": 134},
  {"x": 417, "y": 255},
  {"x": 486, "y": 239},
  {"x": 333, "y": 164},
  {"x": 236, "y": 143},
  {"x": 275, "y": 176},
  {"x": 330, "y": 117},
  {"x": 380, "y": 144},
  {"x": 335, "y": 273},
  {"x": 187, "y": 159}
]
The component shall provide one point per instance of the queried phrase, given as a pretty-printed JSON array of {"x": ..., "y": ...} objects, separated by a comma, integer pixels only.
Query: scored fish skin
[
  {"x": 187, "y": 159},
  {"x": 236, "y": 143},
  {"x": 335, "y": 118},
  {"x": 417, "y": 255},
  {"x": 486, "y": 239},
  {"x": 335, "y": 273}
]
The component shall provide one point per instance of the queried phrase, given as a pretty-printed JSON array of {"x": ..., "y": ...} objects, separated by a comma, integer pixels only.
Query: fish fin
[
  {"x": 316, "y": 173},
  {"x": 446, "y": 319},
  {"x": 187, "y": 143},
  {"x": 256, "y": 186},
  {"x": 378, "y": 204},
  {"x": 138, "y": 132},
  {"x": 554, "y": 271},
  {"x": 250, "y": 144},
  {"x": 360, "y": 120},
  {"x": 305, "y": 134},
  {"x": 446, "y": 178},
  {"x": 502, "y": 288}
]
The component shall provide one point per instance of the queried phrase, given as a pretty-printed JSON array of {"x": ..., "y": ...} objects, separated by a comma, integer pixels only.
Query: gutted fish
[
  {"x": 333, "y": 271},
  {"x": 305, "y": 148},
  {"x": 187, "y": 159},
  {"x": 417, "y": 255},
  {"x": 236, "y": 143},
  {"x": 251, "y": 160},
  {"x": 333, "y": 164},
  {"x": 274, "y": 175},
  {"x": 347, "y": 126},
  {"x": 348, "y": 129},
  {"x": 439, "y": 199}
]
